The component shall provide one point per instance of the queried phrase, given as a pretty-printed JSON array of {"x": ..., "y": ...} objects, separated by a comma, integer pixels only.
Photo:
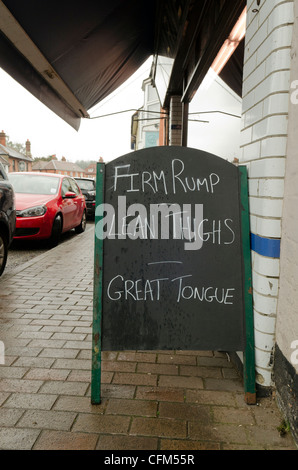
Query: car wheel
[
  {"x": 3, "y": 251},
  {"x": 81, "y": 228},
  {"x": 56, "y": 231}
]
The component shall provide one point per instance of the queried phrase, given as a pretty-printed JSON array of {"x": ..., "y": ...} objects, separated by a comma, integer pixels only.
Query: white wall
[
  {"x": 147, "y": 134},
  {"x": 266, "y": 85},
  {"x": 287, "y": 318},
  {"x": 221, "y": 135}
]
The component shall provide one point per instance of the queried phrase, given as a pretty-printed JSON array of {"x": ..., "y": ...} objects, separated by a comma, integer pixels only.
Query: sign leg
[
  {"x": 97, "y": 295},
  {"x": 249, "y": 353}
]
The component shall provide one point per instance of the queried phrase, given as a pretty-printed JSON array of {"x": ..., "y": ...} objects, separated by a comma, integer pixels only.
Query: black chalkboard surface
[{"x": 172, "y": 261}]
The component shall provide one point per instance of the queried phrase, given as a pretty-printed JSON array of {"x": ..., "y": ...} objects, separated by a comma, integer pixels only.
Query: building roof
[
  {"x": 91, "y": 169},
  {"x": 3, "y": 161},
  {"x": 10, "y": 152},
  {"x": 57, "y": 165},
  {"x": 39, "y": 165}
]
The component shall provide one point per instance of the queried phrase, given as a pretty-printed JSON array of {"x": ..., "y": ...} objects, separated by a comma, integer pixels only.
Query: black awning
[
  {"x": 92, "y": 45},
  {"x": 71, "y": 55}
]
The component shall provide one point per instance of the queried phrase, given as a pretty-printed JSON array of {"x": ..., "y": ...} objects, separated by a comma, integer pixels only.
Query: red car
[{"x": 47, "y": 205}]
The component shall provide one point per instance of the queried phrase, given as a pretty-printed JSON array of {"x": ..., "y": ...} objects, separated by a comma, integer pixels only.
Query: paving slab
[{"x": 151, "y": 400}]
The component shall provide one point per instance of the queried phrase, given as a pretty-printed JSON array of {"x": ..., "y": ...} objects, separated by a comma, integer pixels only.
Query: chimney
[
  {"x": 3, "y": 138},
  {"x": 28, "y": 148}
]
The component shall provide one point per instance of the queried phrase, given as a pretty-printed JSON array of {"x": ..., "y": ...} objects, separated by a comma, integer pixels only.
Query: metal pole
[{"x": 184, "y": 136}]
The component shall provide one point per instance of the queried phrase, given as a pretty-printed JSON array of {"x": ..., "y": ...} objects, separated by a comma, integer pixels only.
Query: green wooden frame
[
  {"x": 249, "y": 353},
  {"x": 97, "y": 297}
]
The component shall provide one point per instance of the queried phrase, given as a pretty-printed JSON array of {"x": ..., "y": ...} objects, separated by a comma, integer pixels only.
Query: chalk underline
[{"x": 165, "y": 262}]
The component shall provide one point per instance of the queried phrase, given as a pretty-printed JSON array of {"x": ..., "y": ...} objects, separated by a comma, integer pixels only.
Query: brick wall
[{"x": 266, "y": 85}]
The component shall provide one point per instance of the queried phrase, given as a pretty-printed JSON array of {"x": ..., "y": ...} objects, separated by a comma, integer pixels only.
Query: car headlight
[{"x": 36, "y": 211}]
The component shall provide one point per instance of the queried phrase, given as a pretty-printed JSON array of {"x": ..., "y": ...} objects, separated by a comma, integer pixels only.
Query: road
[{"x": 22, "y": 251}]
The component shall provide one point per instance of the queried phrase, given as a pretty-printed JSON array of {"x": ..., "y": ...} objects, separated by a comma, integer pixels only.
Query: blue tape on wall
[{"x": 269, "y": 247}]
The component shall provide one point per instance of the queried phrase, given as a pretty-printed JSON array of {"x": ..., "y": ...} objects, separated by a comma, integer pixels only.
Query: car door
[
  {"x": 69, "y": 205},
  {"x": 79, "y": 201}
]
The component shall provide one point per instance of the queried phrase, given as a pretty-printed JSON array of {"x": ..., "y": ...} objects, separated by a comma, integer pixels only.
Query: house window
[{"x": 22, "y": 166}]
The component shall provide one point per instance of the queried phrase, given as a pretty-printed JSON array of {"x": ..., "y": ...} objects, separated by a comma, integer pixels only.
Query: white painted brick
[
  {"x": 278, "y": 82},
  {"x": 266, "y": 266},
  {"x": 251, "y": 151},
  {"x": 266, "y": 187},
  {"x": 270, "y": 228},
  {"x": 259, "y": 38},
  {"x": 246, "y": 136},
  {"x": 253, "y": 223},
  {"x": 256, "y": 77},
  {"x": 264, "y": 341},
  {"x": 266, "y": 9},
  {"x": 264, "y": 323},
  {"x": 282, "y": 14},
  {"x": 252, "y": 25},
  {"x": 276, "y": 104},
  {"x": 265, "y": 285},
  {"x": 272, "y": 125},
  {"x": 278, "y": 39},
  {"x": 266, "y": 207},
  {"x": 265, "y": 105},
  {"x": 248, "y": 101},
  {"x": 263, "y": 361},
  {"x": 267, "y": 167},
  {"x": 263, "y": 357},
  {"x": 263, "y": 376},
  {"x": 250, "y": 64},
  {"x": 278, "y": 60},
  {"x": 264, "y": 304},
  {"x": 271, "y": 188},
  {"x": 261, "y": 91},
  {"x": 253, "y": 115},
  {"x": 274, "y": 146},
  {"x": 253, "y": 187},
  {"x": 249, "y": 4}
]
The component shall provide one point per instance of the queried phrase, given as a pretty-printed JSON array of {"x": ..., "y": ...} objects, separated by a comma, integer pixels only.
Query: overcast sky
[{"x": 23, "y": 117}]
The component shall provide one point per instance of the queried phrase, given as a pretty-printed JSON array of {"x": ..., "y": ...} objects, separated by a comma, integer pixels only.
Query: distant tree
[
  {"x": 16, "y": 146},
  {"x": 45, "y": 159},
  {"x": 84, "y": 163}
]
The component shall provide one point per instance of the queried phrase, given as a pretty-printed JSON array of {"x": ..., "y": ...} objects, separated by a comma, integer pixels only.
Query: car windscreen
[
  {"x": 86, "y": 185},
  {"x": 34, "y": 184}
]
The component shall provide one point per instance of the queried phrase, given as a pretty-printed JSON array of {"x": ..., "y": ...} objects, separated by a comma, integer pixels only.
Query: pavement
[{"x": 151, "y": 400}]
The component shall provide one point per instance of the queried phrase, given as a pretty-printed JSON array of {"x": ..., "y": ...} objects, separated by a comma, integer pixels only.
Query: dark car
[
  {"x": 7, "y": 217},
  {"x": 88, "y": 188}
]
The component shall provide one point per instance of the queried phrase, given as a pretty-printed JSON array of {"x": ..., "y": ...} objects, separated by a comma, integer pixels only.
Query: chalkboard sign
[{"x": 172, "y": 252}]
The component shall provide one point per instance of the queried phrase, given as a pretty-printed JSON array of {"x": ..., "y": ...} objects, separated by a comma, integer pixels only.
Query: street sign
[{"x": 169, "y": 260}]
